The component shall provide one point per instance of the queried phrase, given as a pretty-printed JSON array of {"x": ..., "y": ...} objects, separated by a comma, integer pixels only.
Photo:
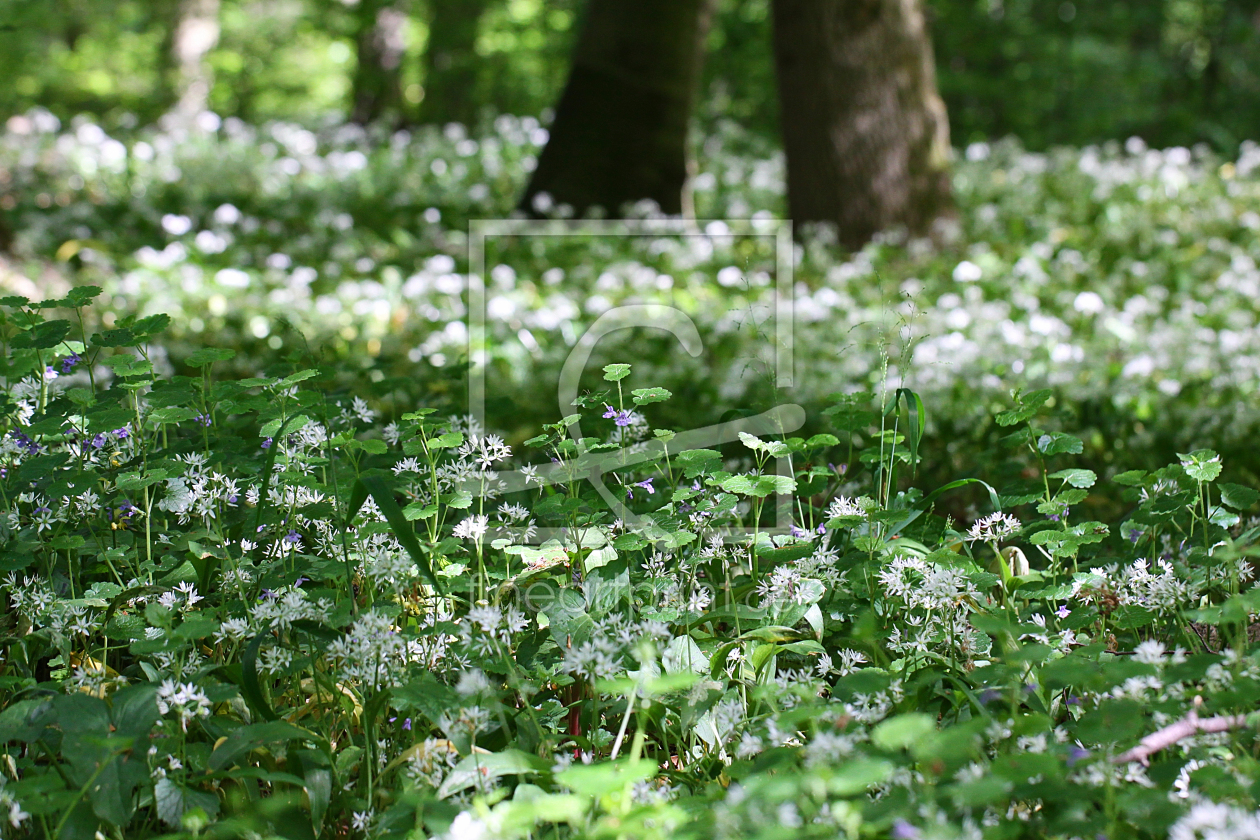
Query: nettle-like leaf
[
  {"x": 1059, "y": 443},
  {"x": 43, "y": 336},
  {"x": 1075, "y": 477},
  {"x": 644, "y": 396},
  {"x": 1237, "y": 496},
  {"x": 1202, "y": 465},
  {"x": 616, "y": 372}
]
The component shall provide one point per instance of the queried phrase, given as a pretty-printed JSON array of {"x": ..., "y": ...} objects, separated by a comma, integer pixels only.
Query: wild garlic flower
[
  {"x": 11, "y": 808},
  {"x": 472, "y": 528},
  {"x": 993, "y": 528},
  {"x": 843, "y": 507},
  {"x": 1209, "y": 820},
  {"x": 371, "y": 654},
  {"x": 185, "y": 700}
]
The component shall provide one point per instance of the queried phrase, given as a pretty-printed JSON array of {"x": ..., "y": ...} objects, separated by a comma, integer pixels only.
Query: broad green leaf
[
  {"x": 644, "y": 396},
  {"x": 485, "y": 768},
  {"x": 902, "y": 731},
  {"x": 1202, "y": 465},
  {"x": 614, "y": 373},
  {"x": 173, "y": 801}
]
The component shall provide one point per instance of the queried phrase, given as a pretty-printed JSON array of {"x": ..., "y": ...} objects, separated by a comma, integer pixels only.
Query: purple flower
[
  {"x": 646, "y": 484},
  {"x": 1075, "y": 754},
  {"x": 621, "y": 418},
  {"x": 1063, "y": 611},
  {"x": 266, "y": 444},
  {"x": 122, "y": 434},
  {"x": 903, "y": 830},
  {"x": 98, "y": 442},
  {"x": 31, "y": 447},
  {"x": 203, "y": 419},
  {"x": 989, "y": 695},
  {"x": 68, "y": 363},
  {"x": 1134, "y": 535},
  {"x": 293, "y": 537},
  {"x": 799, "y": 533}
]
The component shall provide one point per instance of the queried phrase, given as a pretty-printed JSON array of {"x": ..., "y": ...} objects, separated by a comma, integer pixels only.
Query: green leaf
[
  {"x": 859, "y": 776},
  {"x": 269, "y": 462},
  {"x": 251, "y": 688},
  {"x": 1075, "y": 477},
  {"x": 1237, "y": 496},
  {"x": 1203, "y": 465},
  {"x": 279, "y": 427},
  {"x": 1130, "y": 478},
  {"x": 121, "y": 337},
  {"x": 209, "y": 355},
  {"x": 483, "y": 768},
  {"x": 82, "y": 295},
  {"x": 1028, "y": 407},
  {"x": 294, "y": 378},
  {"x": 643, "y": 396},
  {"x": 918, "y": 420},
  {"x": 151, "y": 325},
  {"x": 26, "y": 720},
  {"x": 42, "y": 336},
  {"x": 596, "y": 780},
  {"x": 398, "y": 523},
  {"x": 450, "y": 440},
  {"x": 613, "y": 373},
  {"x": 418, "y": 510},
  {"x": 902, "y": 731},
  {"x": 1059, "y": 443},
  {"x": 244, "y": 739},
  {"x": 173, "y": 801}
]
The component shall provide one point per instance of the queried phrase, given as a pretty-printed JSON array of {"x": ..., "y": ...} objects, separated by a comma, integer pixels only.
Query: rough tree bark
[
  {"x": 450, "y": 62},
  {"x": 864, "y": 129},
  {"x": 620, "y": 132},
  {"x": 380, "y": 44},
  {"x": 195, "y": 33}
]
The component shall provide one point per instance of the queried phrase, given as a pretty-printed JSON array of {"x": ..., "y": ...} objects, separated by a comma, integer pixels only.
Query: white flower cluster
[
  {"x": 372, "y": 654},
  {"x": 993, "y": 528},
  {"x": 1212, "y": 821},
  {"x": 12, "y": 808},
  {"x": 186, "y": 700}
]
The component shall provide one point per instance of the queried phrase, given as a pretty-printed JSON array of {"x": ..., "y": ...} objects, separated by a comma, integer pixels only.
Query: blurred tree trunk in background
[
  {"x": 194, "y": 34},
  {"x": 380, "y": 44},
  {"x": 864, "y": 129},
  {"x": 450, "y": 62},
  {"x": 620, "y": 132}
]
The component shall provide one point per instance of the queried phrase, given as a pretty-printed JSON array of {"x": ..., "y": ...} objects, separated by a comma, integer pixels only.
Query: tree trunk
[
  {"x": 864, "y": 129},
  {"x": 380, "y": 44},
  {"x": 620, "y": 133},
  {"x": 450, "y": 62},
  {"x": 195, "y": 33}
]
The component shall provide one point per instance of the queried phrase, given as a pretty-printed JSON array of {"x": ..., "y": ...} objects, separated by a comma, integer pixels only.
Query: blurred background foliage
[{"x": 1175, "y": 72}]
